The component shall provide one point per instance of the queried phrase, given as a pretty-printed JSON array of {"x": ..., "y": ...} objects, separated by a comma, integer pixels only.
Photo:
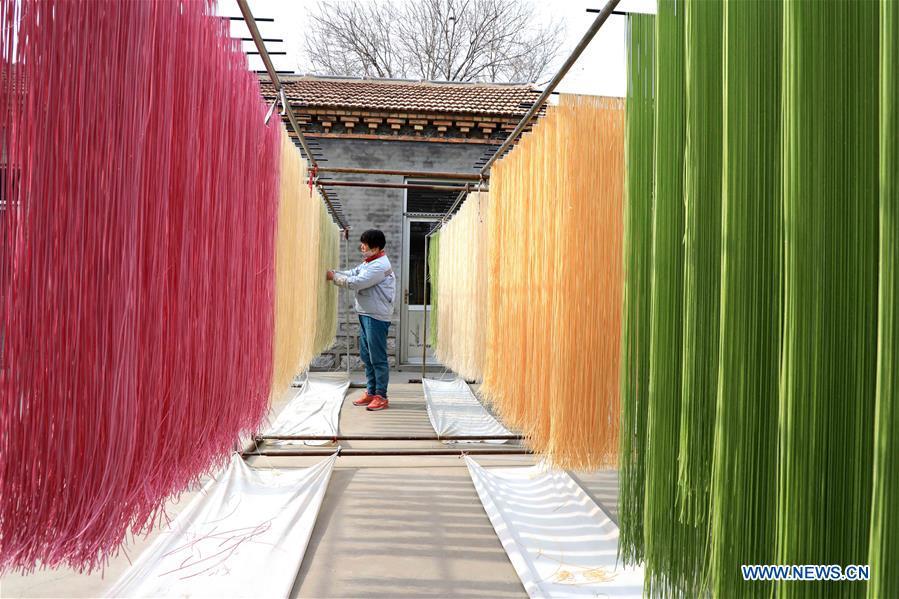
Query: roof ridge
[
  {"x": 412, "y": 82},
  {"x": 407, "y": 96}
]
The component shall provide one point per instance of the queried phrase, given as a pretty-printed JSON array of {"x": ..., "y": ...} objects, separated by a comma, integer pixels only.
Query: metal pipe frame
[
  {"x": 350, "y": 453},
  {"x": 525, "y": 120},
  {"x": 600, "y": 20},
  {"x": 418, "y": 382},
  {"x": 276, "y": 82},
  {"x": 380, "y": 185},
  {"x": 389, "y": 438},
  {"x": 619, "y": 13},
  {"x": 260, "y": 19},
  {"x": 449, "y": 213},
  {"x": 412, "y": 174}
]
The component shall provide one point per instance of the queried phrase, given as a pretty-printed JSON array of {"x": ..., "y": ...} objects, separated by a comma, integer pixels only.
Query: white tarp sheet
[
  {"x": 454, "y": 410},
  {"x": 559, "y": 541},
  {"x": 314, "y": 410},
  {"x": 243, "y": 535}
]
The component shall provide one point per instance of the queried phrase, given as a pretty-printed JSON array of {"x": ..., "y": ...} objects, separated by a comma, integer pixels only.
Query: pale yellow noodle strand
[
  {"x": 290, "y": 337},
  {"x": 307, "y": 245},
  {"x": 462, "y": 281},
  {"x": 326, "y": 293},
  {"x": 553, "y": 278}
]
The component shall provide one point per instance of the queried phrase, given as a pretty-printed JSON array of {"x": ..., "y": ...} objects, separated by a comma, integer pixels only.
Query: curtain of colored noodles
[
  {"x": 446, "y": 315},
  {"x": 291, "y": 251},
  {"x": 325, "y": 293},
  {"x": 308, "y": 274},
  {"x": 636, "y": 295},
  {"x": 743, "y": 490},
  {"x": 506, "y": 335},
  {"x": 515, "y": 184},
  {"x": 884, "y": 552},
  {"x": 798, "y": 370},
  {"x": 138, "y": 266},
  {"x": 584, "y": 364},
  {"x": 434, "y": 276},
  {"x": 702, "y": 255},
  {"x": 673, "y": 550},
  {"x": 555, "y": 230},
  {"x": 462, "y": 287},
  {"x": 829, "y": 365},
  {"x": 308, "y": 244},
  {"x": 536, "y": 288}
]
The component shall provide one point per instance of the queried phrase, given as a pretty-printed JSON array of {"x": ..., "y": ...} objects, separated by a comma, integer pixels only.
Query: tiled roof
[{"x": 406, "y": 96}]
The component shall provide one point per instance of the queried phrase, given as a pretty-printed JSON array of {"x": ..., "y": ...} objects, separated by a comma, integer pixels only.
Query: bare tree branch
[{"x": 453, "y": 40}]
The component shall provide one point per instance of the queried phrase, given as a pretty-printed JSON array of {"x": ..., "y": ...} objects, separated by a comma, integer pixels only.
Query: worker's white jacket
[{"x": 375, "y": 287}]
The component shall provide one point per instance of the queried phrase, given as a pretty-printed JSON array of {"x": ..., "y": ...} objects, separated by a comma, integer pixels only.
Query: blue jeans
[{"x": 373, "y": 351}]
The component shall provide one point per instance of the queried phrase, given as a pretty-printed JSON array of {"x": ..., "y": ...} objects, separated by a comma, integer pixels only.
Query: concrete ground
[{"x": 397, "y": 526}]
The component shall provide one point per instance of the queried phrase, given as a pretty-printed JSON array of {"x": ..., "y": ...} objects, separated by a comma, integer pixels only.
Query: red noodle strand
[{"x": 136, "y": 266}]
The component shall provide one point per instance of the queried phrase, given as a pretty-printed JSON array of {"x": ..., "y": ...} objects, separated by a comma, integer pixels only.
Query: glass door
[{"x": 415, "y": 295}]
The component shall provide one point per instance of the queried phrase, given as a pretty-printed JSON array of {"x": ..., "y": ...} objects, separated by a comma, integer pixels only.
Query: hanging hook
[
  {"x": 271, "y": 110},
  {"x": 313, "y": 177}
]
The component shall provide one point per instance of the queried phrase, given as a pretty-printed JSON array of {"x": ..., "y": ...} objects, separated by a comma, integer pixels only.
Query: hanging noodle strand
[
  {"x": 137, "y": 267},
  {"x": 884, "y": 551},
  {"x": 554, "y": 284},
  {"x": 636, "y": 294},
  {"x": 462, "y": 322}
]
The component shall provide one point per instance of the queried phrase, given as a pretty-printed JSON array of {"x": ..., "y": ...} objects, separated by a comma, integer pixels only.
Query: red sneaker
[
  {"x": 364, "y": 400},
  {"x": 378, "y": 403}
]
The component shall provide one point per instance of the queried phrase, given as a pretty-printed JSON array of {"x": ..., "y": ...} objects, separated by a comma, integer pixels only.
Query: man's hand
[{"x": 330, "y": 275}]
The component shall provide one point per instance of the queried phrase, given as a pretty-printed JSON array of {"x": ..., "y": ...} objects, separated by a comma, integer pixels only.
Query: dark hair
[{"x": 374, "y": 238}]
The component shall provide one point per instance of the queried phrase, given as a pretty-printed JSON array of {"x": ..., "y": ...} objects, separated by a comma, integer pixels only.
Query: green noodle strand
[
  {"x": 884, "y": 551},
  {"x": 743, "y": 488},
  {"x": 673, "y": 550},
  {"x": 702, "y": 255},
  {"x": 829, "y": 359},
  {"x": 637, "y": 268}
]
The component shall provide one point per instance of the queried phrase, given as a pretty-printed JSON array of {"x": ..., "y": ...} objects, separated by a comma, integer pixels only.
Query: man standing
[{"x": 375, "y": 287}]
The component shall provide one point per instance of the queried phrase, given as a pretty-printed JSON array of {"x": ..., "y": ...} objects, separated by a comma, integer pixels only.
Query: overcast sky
[{"x": 599, "y": 71}]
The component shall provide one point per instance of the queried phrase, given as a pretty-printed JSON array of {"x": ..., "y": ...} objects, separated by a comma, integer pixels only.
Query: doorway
[
  {"x": 416, "y": 296},
  {"x": 423, "y": 209}
]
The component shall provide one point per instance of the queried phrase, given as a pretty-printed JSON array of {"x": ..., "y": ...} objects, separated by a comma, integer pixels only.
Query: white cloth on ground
[
  {"x": 243, "y": 535},
  {"x": 454, "y": 410},
  {"x": 313, "y": 411},
  {"x": 559, "y": 541}
]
